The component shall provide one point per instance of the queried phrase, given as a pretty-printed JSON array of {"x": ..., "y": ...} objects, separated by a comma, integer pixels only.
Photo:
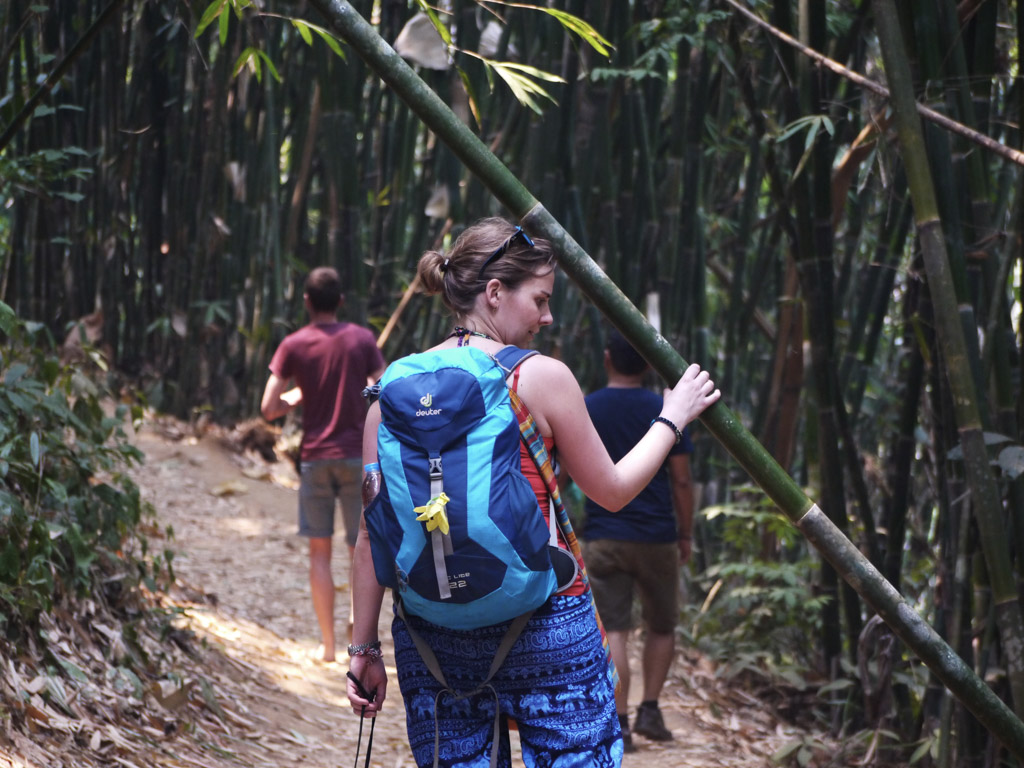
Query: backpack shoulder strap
[
  {"x": 534, "y": 441},
  {"x": 511, "y": 357}
]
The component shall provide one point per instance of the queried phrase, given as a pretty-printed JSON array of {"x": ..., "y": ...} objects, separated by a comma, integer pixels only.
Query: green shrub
[
  {"x": 69, "y": 516},
  {"x": 757, "y": 614}
]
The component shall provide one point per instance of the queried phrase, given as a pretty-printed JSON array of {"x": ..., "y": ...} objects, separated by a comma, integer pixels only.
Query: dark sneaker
[
  {"x": 627, "y": 743},
  {"x": 627, "y": 737},
  {"x": 650, "y": 723}
]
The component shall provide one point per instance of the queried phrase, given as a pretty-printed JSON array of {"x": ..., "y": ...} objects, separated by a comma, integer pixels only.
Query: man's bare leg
[{"x": 321, "y": 586}]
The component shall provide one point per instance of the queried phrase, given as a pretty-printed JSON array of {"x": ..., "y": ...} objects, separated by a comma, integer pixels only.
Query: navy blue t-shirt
[{"x": 622, "y": 416}]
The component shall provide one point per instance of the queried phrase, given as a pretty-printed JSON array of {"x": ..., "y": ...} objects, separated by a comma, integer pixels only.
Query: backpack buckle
[
  {"x": 435, "y": 468},
  {"x": 372, "y": 393}
]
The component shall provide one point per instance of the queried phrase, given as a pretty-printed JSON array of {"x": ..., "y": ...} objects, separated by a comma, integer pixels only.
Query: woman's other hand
[{"x": 373, "y": 676}]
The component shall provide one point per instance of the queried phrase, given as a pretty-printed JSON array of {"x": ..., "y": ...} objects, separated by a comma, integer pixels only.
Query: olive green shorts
[{"x": 620, "y": 570}]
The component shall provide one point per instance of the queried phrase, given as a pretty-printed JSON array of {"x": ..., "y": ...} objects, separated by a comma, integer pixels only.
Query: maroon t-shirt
[{"x": 330, "y": 363}]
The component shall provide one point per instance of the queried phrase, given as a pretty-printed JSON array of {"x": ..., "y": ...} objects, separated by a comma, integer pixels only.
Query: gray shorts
[
  {"x": 615, "y": 567},
  {"x": 321, "y": 483}
]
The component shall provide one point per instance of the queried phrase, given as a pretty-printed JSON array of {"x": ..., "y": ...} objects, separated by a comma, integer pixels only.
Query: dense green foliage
[
  {"x": 69, "y": 516},
  {"x": 759, "y": 608},
  {"x": 182, "y": 180}
]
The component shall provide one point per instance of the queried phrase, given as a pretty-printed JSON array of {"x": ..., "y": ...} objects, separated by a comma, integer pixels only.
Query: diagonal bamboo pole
[{"x": 719, "y": 420}]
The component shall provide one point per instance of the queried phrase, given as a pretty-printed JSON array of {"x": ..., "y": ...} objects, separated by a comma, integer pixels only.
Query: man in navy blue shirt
[{"x": 643, "y": 544}]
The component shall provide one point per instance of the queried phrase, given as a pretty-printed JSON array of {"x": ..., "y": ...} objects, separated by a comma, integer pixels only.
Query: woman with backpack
[{"x": 555, "y": 680}]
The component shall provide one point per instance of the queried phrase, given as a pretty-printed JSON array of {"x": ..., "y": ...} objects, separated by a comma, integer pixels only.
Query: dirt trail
[{"x": 243, "y": 590}]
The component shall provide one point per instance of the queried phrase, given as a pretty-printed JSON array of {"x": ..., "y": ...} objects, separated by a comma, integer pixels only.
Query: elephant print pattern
[{"x": 555, "y": 684}]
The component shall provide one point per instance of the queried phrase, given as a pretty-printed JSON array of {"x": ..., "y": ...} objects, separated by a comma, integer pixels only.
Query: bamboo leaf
[
  {"x": 33, "y": 446},
  {"x": 467, "y": 85},
  {"x": 586, "y": 32},
  {"x": 521, "y": 86},
  {"x": 803, "y": 161},
  {"x": 247, "y": 57},
  {"x": 213, "y": 10},
  {"x": 794, "y": 127},
  {"x": 254, "y": 58},
  {"x": 304, "y": 32},
  {"x": 490, "y": 78},
  {"x": 572, "y": 23},
  {"x": 331, "y": 40},
  {"x": 517, "y": 77},
  {"x": 223, "y": 21},
  {"x": 540, "y": 74},
  {"x": 238, "y": 6},
  {"x": 811, "y": 134},
  {"x": 921, "y": 751},
  {"x": 270, "y": 65}
]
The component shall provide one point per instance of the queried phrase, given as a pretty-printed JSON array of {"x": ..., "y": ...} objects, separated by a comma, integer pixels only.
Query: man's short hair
[
  {"x": 323, "y": 287},
  {"x": 624, "y": 358}
]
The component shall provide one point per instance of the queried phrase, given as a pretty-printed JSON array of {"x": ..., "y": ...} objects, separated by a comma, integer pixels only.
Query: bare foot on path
[{"x": 254, "y": 693}]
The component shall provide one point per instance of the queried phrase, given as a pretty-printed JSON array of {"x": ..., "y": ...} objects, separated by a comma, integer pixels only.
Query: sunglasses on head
[{"x": 518, "y": 234}]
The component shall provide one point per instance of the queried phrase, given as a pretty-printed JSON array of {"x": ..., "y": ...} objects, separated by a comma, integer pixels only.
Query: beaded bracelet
[
  {"x": 663, "y": 420},
  {"x": 371, "y": 649}
]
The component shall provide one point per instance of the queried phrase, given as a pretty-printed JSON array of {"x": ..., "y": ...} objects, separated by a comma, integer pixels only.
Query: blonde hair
[{"x": 456, "y": 274}]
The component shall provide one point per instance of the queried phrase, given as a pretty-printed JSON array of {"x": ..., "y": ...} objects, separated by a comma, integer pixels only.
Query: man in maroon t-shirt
[{"x": 330, "y": 362}]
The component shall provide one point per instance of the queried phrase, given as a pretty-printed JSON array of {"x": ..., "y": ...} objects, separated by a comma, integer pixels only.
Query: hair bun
[{"x": 431, "y": 269}]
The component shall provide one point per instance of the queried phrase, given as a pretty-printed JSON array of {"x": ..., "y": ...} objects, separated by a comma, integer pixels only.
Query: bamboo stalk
[
  {"x": 900, "y": 458},
  {"x": 761, "y": 322},
  {"x": 950, "y": 333},
  {"x": 58, "y": 72},
  {"x": 719, "y": 420}
]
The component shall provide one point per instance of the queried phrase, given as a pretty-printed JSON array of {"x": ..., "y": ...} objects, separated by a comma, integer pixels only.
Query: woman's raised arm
[{"x": 554, "y": 397}]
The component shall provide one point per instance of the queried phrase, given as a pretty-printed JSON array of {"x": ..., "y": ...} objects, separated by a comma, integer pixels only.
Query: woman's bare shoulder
[
  {"x": 548, "y": 387},
  {"x": 548, "y": 370}
]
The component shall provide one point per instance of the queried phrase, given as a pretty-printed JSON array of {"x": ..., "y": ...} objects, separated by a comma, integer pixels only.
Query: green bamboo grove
[
  {"x": 815, "y": 524},
  {"x": 848, "y": 271}
]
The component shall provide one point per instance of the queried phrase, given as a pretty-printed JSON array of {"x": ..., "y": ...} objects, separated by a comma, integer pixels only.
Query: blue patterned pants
[{"x": 555, "y": 684}]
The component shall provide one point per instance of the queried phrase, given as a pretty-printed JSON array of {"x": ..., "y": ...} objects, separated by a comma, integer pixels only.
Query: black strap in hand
[{"x": 373, "y": 721}]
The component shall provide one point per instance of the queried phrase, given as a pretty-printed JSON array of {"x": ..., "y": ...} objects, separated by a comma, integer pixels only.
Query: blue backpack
[{"x": 456, "y": 530}]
